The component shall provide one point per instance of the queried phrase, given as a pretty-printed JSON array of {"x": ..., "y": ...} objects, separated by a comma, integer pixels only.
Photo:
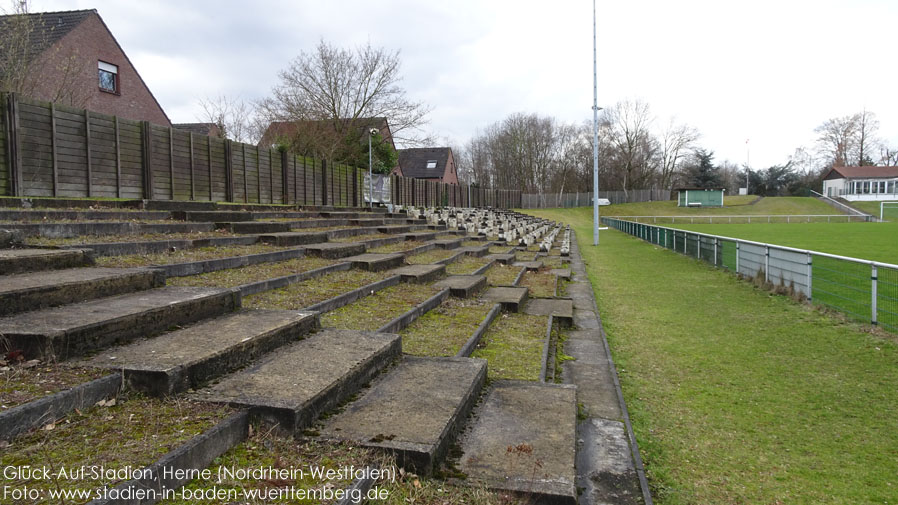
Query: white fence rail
[{"x": 555, "y": 200}]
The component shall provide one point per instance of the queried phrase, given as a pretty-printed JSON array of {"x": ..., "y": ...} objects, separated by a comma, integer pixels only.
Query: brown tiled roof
[
  {"x": 863, "y": 172},
  {"x": 414, "y": 162},
  {"x": 47, "y": 27}
]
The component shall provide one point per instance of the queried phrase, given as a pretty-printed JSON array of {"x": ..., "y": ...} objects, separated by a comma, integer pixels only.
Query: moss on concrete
[
  {"x": 443, "y": 330},
  {"x": 502, "y": 275},
  {"x": 431, "y": 256},
  {"x": 185, "y": 255},
  {"x": 309, "y": 292},
  {"x": 21, "y": 383},
  {"x": 372, "y": 312},
  {"x": 541, "y": 284},
  {"x": 513, "y": 346},
  {"x": 232, "y": 277},
  {"x": 465, "y": 265}
]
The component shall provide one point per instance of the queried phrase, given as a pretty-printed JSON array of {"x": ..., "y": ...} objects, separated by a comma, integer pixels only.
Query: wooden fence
[{"x": 48, "y": 149}]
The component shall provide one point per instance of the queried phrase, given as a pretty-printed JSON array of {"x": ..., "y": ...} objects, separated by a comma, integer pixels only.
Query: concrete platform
[
  {"x": 560, "y": 308},
  {"x": 538, "y": 421},
  {"x": 477, "y": 251},
  {"x": 294, "y": 238},
  {"x": 505, "y": 259},
  {"x": 564, "y": 273},
  {"x": 375, "y": 262},
  {"x": 511, "y": 298},
  {"x": 254, "y": 227},
  {"x": 305, "y": 379},
  {"x": 183, "y": 359},
  {"x": 420, "y": 236},
  {"x": 449, "y": 243},
  {"x": 13, "y": 261},
  {"x": 421, "y": 273},
  {"x": 335, "y": 250},
  {"x": 73, "y": 330},
  {"x": 49, "y": 288},
  {"x": 396, "y": 228},
  {"x": 413, "y": 411},
  {"x": 212, "y": 216},
  {"x": 531, "y": 266},
  {"x": 603, "y": 445},
  {"x": 463, "y": 286}
]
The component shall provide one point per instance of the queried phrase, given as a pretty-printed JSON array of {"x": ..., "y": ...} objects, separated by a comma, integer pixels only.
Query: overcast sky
[{"x": 767, "y": 71}]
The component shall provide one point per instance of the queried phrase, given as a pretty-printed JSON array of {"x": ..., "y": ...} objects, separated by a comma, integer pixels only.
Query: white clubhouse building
[{"x": 862, "y": 183}]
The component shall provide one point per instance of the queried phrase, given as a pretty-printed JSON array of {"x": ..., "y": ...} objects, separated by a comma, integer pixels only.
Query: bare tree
[
  {"x": 849, "y": 140},
  {"x": 234, "y": 118},
  {"x": 628, "y": 126},
  {"x": 676, "y": 140},
  {"x": 867, "y": 127},
  {"x": 331, "y": 93}
]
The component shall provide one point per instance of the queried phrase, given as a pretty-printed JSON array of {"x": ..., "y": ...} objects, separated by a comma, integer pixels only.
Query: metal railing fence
[
  {"x": 864, "y": 290},
  {"x": 748, "y": 218}
]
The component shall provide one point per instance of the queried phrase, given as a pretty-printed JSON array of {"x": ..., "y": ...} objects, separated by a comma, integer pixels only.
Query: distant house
[
  {"x": 428, "y": 163},
  {"x": 700, "y": 197},
  {"x": 862, "y": 183},
  {"x": 72, "y": 58}
]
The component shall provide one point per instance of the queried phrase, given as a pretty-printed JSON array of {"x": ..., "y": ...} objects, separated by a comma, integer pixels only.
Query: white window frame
[{"x": 111, "y": 69}]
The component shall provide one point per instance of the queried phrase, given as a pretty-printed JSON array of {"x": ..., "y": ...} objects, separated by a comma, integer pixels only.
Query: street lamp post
[{"x": 372, "y": 132}]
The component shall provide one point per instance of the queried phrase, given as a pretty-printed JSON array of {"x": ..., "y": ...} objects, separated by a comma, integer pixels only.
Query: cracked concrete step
[
  {"x": 375, "y": 262},
  {"x": 463, "y": 286},
  {"x": 420, "y": 273},
  {"x": 414, "y": 410},
  {"x": 186, "y": 358},
  {"x": 295, "y": 385},
  {"x": 511, "y": 298},
  {"x": 249, "y": 227},
  {"x": 560, "y": 308},
  {"x": 212, "y": 216},
  {"x": 73, "y": 330},
  {"x": 523, "y": 439},
  {"x": 39, "y": 290},
  {"x": 13, "y": 261}
]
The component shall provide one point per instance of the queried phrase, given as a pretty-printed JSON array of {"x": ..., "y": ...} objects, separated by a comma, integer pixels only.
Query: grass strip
[
  {"x": 133, "y": 432},
  {"x": 362, "y": 238},
  {"x": 20, "y": 383},
  {"x": 445, "y": 329},
  {"x": 465, "y": 265},
  {"x": 501, "y": 249},
  {"x": 541, "y": 284},
  {"x": 309, "y": 292},
  {"x": 185, "y": 255},
  {"x": 407, "y": 245},
  {"x": 429, "y": 257},
  {"x": 232, "y": 277},
  {"x": 738, "y": 395},
  {"x": 502, "y": 275},
  {"x": 372, "y": 312},
  {"x": 142, "y": 237},
  {"x": 513, "y": 347}
]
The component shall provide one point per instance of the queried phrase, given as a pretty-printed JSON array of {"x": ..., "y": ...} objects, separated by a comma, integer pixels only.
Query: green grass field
[
  {"x": 871, "y": 241},
  {"x": 737, "y": 395},
  {"x": 733, "y": 206},
  {"x": 890, "y": 213}
]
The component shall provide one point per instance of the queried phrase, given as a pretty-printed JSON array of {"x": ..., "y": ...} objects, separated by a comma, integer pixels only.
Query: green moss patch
[
  {"x": 443, "y": 330},
  {"x": 143, "y": 237},
  {"x": 513, "y": 346},
  {"x": 20, "y": 383},
  {"x": 553, "y": 261},
  {"x": 372, "y": 312},
  {"x": 541, "y": 284},
  {"x": 185, "y": 255},
  {"x": 500, "y": 249},
  {"x": 232, "y": 277},
  {"x": 408, "y": 245},
  {"x": 473, "y": 243},
  {"x": 525, "y": 256},
  {"x": 134, "y": 431},
  {"x": 465, "y": 265},
  {"x": 502, "y": 275},
  {"x": 429, "y": 257},
  {"x": 309, "y": 292}
]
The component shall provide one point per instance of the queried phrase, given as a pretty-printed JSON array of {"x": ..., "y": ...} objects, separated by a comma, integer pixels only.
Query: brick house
[
  {"x": 72, "y": 58},
  {"x": 428, "y": 163}
]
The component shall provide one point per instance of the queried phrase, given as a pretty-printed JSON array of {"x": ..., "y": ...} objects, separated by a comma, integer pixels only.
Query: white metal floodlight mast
[{"x": 595, "y": 135}]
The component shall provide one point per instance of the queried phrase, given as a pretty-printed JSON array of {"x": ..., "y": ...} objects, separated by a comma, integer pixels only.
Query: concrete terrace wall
[{"x": 54, "y": 150}]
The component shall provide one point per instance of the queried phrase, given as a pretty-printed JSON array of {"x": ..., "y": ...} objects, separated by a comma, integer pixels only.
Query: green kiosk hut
[{"x": 700, "y": 197}]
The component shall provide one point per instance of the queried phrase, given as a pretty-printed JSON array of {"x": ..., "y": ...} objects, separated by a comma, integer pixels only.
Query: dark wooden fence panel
[{"x": 53, "y": 150}]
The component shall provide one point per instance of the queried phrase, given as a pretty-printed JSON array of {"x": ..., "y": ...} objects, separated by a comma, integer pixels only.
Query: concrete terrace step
[
  {"x": 75, "y": 229},
  {"x": 523, "y": 439},
  {"x": 73, "y": 330},
  {"x": 82, "y": 215},
  {"x": 375, "y": 262},
  {"x": 13, "y": 261},
  {"x": 463, "y": 286},
  {"x": 183, "y": 359},
  {"x": 38, "y": 290},
  {"x": 414, "y": 411},
  {"x": 212, "y": 216},
  {"x": 559, "y": 308},
  {"x": 303, "y": 380},
  {"x": 292, "y": 238},
  {"x": 511, "y": 298},
  {"x": 420, "y": 273},
  {"x": 254, "y": 227},
  {"x": 335, "y": 250}
]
